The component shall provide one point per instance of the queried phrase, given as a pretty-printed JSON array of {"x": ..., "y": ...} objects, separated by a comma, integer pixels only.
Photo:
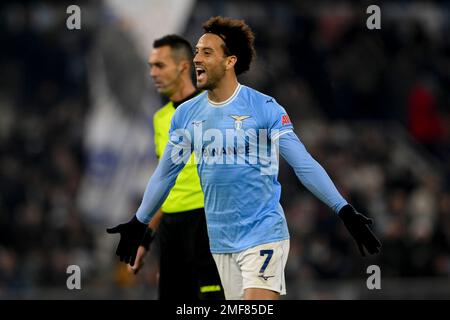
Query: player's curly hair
[{"x": 238, "y": 39}]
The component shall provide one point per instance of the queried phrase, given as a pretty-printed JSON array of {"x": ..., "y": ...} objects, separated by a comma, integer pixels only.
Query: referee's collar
[{"x": 177, "y": 103}]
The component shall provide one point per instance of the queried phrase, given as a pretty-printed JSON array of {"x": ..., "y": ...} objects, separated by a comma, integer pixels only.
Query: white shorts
[{"x": 261, "y": 266}]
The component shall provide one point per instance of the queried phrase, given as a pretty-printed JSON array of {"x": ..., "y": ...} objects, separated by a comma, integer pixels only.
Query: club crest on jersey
[{"x": 238, "y": 121}]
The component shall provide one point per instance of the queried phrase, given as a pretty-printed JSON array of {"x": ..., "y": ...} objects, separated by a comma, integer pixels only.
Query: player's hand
[
  {"x": 357, "y": 224},
  {"x": 131, "y": 235},
  {"x": 140, "y": 260}
]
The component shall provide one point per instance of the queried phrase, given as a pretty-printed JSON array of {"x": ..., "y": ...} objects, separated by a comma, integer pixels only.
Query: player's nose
[{"x": 197, "y": 59}]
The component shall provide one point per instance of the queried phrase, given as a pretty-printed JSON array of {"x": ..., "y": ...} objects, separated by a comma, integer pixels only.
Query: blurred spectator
[
  {"x": 41, "y": 161},
  {"x": 424, "y": 121}
]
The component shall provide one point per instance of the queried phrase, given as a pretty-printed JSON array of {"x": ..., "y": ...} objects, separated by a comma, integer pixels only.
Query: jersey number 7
[{"x": 269, "y": 253}]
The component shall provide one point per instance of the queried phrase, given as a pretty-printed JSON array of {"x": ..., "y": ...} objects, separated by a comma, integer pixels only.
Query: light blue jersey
[{"x": 235, "y": 144}]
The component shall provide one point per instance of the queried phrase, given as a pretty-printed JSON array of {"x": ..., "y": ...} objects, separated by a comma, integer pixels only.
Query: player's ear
[{"x": 230, "y": 62}]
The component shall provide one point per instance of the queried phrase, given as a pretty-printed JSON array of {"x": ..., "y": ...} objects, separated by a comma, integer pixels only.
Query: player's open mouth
[{"x": 201, "y": 73}]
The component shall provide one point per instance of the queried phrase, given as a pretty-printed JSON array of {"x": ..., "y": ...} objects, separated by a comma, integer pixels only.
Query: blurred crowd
[
  {"x": 372, "y": 106},
  {"x": 383, "y": 178},
  {"x": 43, "y": 103}
]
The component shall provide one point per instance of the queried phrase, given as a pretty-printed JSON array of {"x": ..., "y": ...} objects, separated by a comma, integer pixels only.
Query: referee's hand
[{"x": 139, "y": 262}]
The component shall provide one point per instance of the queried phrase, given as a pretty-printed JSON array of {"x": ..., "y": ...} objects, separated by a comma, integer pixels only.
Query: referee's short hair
[
  {"x": 181, "y": 48},
  {"x": 238, "y": 40}
]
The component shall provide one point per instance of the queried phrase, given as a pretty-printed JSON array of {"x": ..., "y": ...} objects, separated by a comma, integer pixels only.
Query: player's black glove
[
  {"x": 131, "y": 235},
  {"x": 357, "y": 224},
  {"x": 148, "y": 238}
]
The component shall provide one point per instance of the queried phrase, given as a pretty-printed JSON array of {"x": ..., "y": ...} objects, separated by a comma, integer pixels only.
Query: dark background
[{"x": 372, "y": 106}]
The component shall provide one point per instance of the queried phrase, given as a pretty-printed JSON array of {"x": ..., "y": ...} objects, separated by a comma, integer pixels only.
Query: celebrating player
[{"x": 233, "y": 131}]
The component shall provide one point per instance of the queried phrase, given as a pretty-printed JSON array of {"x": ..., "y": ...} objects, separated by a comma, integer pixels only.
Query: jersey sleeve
[
  {"x": 160, "y": 184},
  {"x": 179, "y": 134},
  {"x": 311, "y": 174},
  {"x": 278, "y": 120},
  {"x": 175, "y": 156}
]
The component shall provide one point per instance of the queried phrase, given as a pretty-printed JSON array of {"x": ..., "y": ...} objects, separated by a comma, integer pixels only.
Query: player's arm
[
  {"x": 153, "y": 224},
  {"x": 161, "y": 182},
  {"x": 309, "y": 171},
  {"x": 313, "y": 176}
]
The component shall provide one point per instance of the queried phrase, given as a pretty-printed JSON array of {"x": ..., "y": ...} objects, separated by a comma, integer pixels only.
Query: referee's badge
[{"x": 238, "y": 121}]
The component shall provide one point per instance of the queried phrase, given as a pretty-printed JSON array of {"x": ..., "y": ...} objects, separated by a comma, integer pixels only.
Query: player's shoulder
[
  {"x": 186, "y": 106},
  {"x": 263, "y": 104},
  {"x": 185, "y": 110},
  {"x": 258, "y": 96}
]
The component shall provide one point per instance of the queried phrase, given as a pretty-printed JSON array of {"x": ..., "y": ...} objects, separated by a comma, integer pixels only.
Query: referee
[{"x": 187, "y": 268}]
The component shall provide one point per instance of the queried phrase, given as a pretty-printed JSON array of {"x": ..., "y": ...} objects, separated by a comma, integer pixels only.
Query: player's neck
[
  {"x": 185, "y": 89},
  {"x": 223, "y": 91}
]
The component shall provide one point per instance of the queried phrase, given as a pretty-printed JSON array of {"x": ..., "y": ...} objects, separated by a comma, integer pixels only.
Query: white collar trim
[{"x": 223, "y": 103}]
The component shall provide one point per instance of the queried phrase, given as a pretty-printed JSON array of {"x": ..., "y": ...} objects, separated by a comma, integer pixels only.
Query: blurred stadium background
[{"x": 77, "y": 147}]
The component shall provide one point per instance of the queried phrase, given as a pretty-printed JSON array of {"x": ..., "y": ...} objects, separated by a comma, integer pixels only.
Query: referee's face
[
  {"x": 209, "y": 61},
  {"x": 164, "y": 70}
]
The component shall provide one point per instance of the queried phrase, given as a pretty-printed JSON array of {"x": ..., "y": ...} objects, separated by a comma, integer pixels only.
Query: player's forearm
[
  {"x": 312, "y": 175},
  {"x": 156, "y": 192},
  {"x": 159, "y": 185}
]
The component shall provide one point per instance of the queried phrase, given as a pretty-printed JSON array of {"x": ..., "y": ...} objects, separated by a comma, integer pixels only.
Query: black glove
[
  {"x": 357, "y": 224},
  {"x": 148, "y": 238},
  {"x": 131, "y": 235}
]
